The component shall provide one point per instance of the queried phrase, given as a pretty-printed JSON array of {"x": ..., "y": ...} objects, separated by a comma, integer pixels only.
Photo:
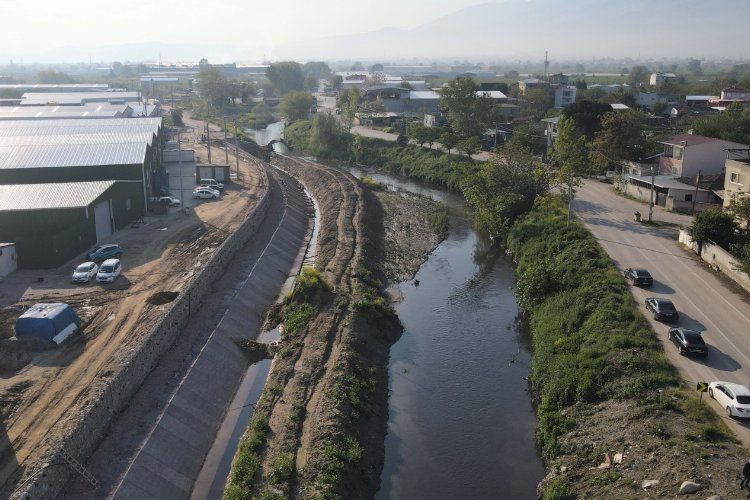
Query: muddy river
[{"x": 461, "y": 422}]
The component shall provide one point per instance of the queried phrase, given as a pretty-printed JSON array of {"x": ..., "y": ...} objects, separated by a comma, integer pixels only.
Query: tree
[
  {"x": 418, "y": 133},
  {"x": 176, "y": 114},
  {"x": 468, "y": 112},
  {"x": 376, "y": 67},
  {"x": 402, "y": 140},
  {"x": 511, "y": 74},
  {"x": 449, "y": 140},
  {"x": 296, "y": 106},
  {"x": 638, "y": 76},
  {"x": 470, "y": 145},
  {"x": 311, "y": 83},
  {"x": 715, "y": 225},
  {"x": 739, "y": 207},
  {"x": 587, "y": 115},
  {"x": 570, "y": 157},
  {"x": 620, "y": 139},
  {"x": 54, "y": 77},
  {"x": 529, "y": 136},
  {"x": 432, "y": 134},
  {"x": 536, "y": 101},
  {"x": 327, "y": 139},
  {"x": 349, "y": 104},
  {"x": 337, "y": 81},
  {"x": 694, "y": 66},
  {"x": 318, "y": 69},
  {"x": 285, "y": 76},
  {"x": 213, "y": 87},
  {"x": 504, "y": 188}
]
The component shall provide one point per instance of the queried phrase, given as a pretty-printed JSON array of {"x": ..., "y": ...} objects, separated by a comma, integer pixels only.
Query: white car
[
  {"x": 205, "y": 193},
  {"x": 110, "y": 271},
  {"x": 734, "y": 398},
  {"x": 84, "y": 272},
  {"x": 168, "y": 200}
]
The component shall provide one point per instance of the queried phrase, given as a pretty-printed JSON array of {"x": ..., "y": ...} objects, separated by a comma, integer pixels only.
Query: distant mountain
[{"x": 575, "y": 29}]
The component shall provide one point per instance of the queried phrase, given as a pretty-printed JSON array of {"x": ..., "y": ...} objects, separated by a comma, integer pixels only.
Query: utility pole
[
  {"x": 651, "y": 195},
  {"x": 236, "y": 150},
  {"x": 226, "y": 144},
  {"x": 208, "y": 141},
  {"x": 546, "y": 65},
  {"x": 697, "y": 182}
]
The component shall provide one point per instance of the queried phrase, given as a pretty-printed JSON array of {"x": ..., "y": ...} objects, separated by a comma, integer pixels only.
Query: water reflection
[{"x": 461, "y": 423}]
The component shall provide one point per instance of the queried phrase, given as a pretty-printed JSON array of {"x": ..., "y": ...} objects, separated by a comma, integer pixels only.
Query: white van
[{"x": 211, "y": 183}]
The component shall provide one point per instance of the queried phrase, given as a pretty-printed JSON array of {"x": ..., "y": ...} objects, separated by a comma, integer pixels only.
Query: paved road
[{"x": 703, "y": 297}]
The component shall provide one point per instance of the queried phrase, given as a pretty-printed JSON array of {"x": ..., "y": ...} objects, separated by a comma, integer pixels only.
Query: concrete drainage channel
[{"x": 187, "y": 451}]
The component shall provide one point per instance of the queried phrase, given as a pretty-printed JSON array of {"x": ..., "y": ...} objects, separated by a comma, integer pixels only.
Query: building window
[
  {"x": 675, "y": 172},
  {"x": 734, "y": 178},
  {"x": 677, "y": 153},
  {"x": 688, "y": 197},
  {"x": 127, "y": 205}
]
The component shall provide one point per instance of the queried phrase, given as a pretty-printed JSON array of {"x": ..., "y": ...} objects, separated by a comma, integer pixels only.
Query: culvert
[{"x": 160, "y": 298}]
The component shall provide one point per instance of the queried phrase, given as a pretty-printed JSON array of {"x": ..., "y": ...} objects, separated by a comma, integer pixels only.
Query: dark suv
[{"x": 104, "y": 252}]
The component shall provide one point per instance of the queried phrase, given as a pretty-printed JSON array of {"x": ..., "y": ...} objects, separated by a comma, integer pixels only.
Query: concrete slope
[{"x": 172, "y": 455}]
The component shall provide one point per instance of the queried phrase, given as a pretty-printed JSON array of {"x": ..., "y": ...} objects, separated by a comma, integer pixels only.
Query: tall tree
[
  {"x": 296, "y": 106},
  {"x": 713, "y": 224},
  {"x": 504, "y": 188},
  {"x": 213, "y": 87},
  {"x": 620, "y": 139},
  {"x": 570, "y": 157},
  {"x": 587, "y": 115},
  {"x": 468, "y": 113},
  {"x": 52, "y": 76},
  {"x": 739, "y": 207},
  {"x": 639, "y": 76},
  {"x": 285, "y": 76}
]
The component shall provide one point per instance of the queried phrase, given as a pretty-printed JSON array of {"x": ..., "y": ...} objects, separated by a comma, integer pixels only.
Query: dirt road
[{"x": 42, "y": 398}]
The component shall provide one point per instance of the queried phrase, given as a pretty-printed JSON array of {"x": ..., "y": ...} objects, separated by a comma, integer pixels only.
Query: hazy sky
[{"x": 254, "y": 26}]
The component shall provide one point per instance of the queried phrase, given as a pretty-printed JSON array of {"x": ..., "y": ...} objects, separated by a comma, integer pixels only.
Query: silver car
[{"x": 84, "y": 272}]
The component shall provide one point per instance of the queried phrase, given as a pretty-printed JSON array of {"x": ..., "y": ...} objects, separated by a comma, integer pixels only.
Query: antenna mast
[{"x": 546, "y": 65}]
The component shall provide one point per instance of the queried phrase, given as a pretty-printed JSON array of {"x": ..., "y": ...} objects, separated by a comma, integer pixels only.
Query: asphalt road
[{"x": 706, "y": 299}]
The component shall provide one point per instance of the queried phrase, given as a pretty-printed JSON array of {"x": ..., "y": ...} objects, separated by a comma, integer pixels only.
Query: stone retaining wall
[{"x": 111, "y": 396}]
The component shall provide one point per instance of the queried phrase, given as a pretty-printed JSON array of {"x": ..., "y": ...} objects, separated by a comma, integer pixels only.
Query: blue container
[{"x": 52, "y": 322}]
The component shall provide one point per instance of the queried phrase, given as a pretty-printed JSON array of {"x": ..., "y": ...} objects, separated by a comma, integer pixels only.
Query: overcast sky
[{"x": 255, "y": 27}]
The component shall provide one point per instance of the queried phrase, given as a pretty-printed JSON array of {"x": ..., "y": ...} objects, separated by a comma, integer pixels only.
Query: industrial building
[
  {"x": 53, "y": 222},
  {"x": 66, "y": 184},
  {"x": 94, "y": 110}
]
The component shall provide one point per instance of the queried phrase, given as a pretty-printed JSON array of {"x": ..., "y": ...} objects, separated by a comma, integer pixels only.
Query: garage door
[{"x": 103, "y": 219}]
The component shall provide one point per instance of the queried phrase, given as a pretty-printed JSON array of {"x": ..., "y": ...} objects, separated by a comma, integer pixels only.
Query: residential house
[
  {"x": 661, "y": 78},
  {"x": 565, "y": 95},
  {"x": 731, "y": 95},
  {"x": 648, "y": 99},
  {"x": 674, "y": 194},
  {"x": 737, "y": 178},
  {"x": 610, "y": 88},
  {"x": 687, "y": 155},
  {"x": 529, "y": 83}
]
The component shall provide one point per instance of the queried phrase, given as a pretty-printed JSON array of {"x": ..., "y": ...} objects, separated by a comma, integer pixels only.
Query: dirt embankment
[{"x": 326, "y": 398}]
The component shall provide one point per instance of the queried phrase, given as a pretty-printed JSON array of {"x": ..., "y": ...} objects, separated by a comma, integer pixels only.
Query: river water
[{"x": 461, "y": 424}]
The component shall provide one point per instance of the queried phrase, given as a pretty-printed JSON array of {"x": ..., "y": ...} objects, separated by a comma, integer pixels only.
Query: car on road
[
  {"x": 734, "y": 398},
  {"x": 109, "y": 271},
  {"x": 205, "y": 193},
  {"x": 662, "y": 309},
  {"x": 639, "y": 276},
  {"x": 84, "y": 272},
  {"x": 688, "y": 342},
  {"x": 103, "y": 252}
]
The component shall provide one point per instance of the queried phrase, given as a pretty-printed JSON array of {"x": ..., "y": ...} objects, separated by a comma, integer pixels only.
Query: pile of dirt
[{"x": 625, "y": 449}]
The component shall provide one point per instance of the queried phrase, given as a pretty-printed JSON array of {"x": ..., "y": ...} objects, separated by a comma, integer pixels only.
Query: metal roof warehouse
[{"x": 51, "y": 223}]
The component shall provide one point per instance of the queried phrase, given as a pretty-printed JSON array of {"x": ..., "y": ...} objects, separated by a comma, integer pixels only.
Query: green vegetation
[
  {"x": 374, "y": 306},
  {"x": 371, "y": 183},
  {"x": 247, "y": 460},
  {"x": 590, "y": 341},
  {"x": 439, "y": 221}
]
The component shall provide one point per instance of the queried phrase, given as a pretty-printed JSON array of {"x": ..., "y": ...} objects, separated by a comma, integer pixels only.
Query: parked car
[
  {"x": 204, "y": 192},
  {"x": 84, "y": 272},
  {"x": 639, "y": 276},
  {"x": 734, "y": 398},
  {"x": 168, "y": 200},
  {"x": 211, "y": 183},
  {"x": 688, "y": 341},
  {"x": 663, "y": 309},
  {"x": 104, "y": 252},
  {"x": 109, "y": 271}
]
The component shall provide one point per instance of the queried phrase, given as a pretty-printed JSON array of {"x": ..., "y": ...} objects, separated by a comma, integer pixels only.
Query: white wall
[{"x": 8, "y": 259}]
